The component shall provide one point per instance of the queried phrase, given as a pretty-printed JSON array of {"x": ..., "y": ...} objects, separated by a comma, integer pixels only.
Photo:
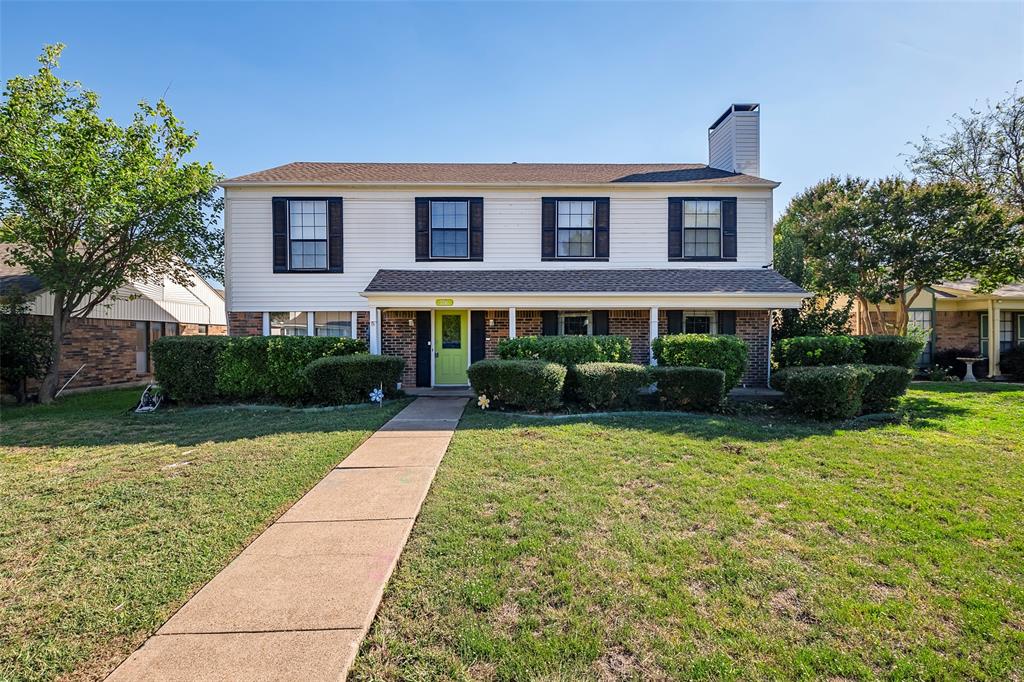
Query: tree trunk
[{"x": 48, "y": 389}]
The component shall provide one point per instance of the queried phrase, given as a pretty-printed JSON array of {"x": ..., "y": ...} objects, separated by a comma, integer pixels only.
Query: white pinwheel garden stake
[
  {"x": 377, "y": 395},
  {"x": 483, "y": 402}
]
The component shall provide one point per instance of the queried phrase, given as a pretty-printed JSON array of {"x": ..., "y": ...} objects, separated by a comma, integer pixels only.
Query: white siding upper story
[
  {"x": 379, "y": 226},
  {"x": 163, "y": 300}
]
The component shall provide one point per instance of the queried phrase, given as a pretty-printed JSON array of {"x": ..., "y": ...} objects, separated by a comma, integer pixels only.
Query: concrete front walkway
[{"x": 296, "y": 603}]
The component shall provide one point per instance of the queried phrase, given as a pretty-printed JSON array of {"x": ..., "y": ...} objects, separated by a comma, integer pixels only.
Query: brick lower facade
[
  {"x": 245, "y": 324},
  {"x": 752, "y": 327},
  {"x": 398, "y": 338},
  {"x": 958, "y": 330},
  {"x": 636, "y": 326}
]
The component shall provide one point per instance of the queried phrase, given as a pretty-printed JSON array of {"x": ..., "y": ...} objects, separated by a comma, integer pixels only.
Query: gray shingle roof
[
  {"x": 675, "y": 281},
  {"x": 497, "y": 173}
]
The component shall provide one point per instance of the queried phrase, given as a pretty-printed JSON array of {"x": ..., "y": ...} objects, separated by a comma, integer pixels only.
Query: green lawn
[
  {"x": 653, "y": 547},
  {"x": 111, "y": 520}
]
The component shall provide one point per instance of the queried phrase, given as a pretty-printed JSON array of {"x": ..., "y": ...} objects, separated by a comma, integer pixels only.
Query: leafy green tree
[
  {"x": 24, "y": 343},
  {"x": 885, "y": 241},
  {"x": 90, "y": 206}
]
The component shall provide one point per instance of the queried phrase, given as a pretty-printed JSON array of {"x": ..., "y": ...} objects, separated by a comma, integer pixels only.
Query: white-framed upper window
[
  {"x": 307, "y": 234},
  {"x": 289, "y": 324},
  {"x": 575, "y": 323},
  {"x": 449, "y": 229},
  {"x": 575, "y": 229},
  {"x": 702, "y": 228}
]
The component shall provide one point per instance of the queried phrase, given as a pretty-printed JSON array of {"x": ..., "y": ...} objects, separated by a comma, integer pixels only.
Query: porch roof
[{"x": 596, "y": 281}]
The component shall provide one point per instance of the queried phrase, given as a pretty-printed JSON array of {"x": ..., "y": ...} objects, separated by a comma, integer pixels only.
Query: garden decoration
[
  {"x": 969, "y": 376},
  {"x": 377, "y": 395},
  {"x": 483, "y": 402},
  {"x": 151, "y": 399}
]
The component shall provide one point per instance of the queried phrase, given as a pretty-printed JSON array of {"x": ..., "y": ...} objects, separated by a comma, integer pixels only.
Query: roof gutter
[{"x": 767, "y": 184}]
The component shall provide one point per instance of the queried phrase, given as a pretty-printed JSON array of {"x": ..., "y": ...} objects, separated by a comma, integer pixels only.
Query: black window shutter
[
  {"x": 279, "y": 208},
  {"x": 422, "y": 229},
  {"x": 548, "y": 216},
  {"x": 728, "y": 228},
  {"x": 675, "y": 321},
  {"x": 600, "y": 319},
  {"x": 424, "y": 355},
  {"x": 335, "y": 236},
  {"x": 726, "y": 321},
  {"x": 477, "y": 335},
  {"x": 602, "y": 219},
  {"x": 549, "y": 322},
  {"x": 476, "y": 229},
  {"x": 675, "y": 228}
]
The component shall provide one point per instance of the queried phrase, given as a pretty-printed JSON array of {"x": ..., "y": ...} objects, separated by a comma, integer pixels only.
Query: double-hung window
[
  {"x": 702, "y": 229},
  {"x": 575, "y": 323},
  {"x": 307, "y": 234},
  {"x": 449, "y": 229},
  {"x": 575, "y": 229}
]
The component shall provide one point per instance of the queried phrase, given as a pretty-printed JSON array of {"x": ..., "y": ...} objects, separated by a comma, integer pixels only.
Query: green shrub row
[
  {"x": 566, "y": 350},
  {"x": 823, "y": 351},
  {"x": 521, "y": 384},
  {"x": 610, "y": 385},
  {"x": 723, "y": 352},
  {"x": 351, "y": 378},
  {"x": 842, "y": 391},
  {"x": 186, "y": 367},
  {"x": 689, "y": 388}
]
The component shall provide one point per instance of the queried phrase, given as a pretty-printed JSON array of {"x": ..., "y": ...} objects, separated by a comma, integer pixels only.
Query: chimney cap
[{"x": 731, "y": 109}]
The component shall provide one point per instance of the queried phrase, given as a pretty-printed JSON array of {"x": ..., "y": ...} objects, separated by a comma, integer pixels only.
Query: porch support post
[
  {"x": 266, "y": 324},
  {"x": 511, "y": 323},
  {"x": 653, "y": 334},
  {"x": 374, "y": 332},
  {"x": 355, "y": 324},
  {"x": 993, "y": 338},
  {"x": 310, "y": 327}
]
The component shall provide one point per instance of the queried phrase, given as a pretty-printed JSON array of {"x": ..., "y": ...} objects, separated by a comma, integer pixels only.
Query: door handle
[{"x": 436, "y": 354}]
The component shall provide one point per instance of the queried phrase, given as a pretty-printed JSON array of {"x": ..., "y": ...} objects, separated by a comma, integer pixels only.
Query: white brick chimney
[{"x": 734, "y": 140}]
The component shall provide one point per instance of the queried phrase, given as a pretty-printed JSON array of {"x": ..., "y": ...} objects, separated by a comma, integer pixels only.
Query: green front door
[{"x": 451, "y": 347}]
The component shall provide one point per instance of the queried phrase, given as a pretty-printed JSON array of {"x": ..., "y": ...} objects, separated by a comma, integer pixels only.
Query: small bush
[
  {"x": 887, "y": 384},
  {"x": 690, "y": 388},
  {"x": 350, "y": 378},
  {"x": 566, "y": 350},
  {"x": 817, "y": 351},
  {"x": 826, "y": 392},
  {"x": 726, "y": 353},
  {"x": 884, "y": 349},
  {"x": 1011, "y": 363},
  {"x": 610, "y": 385},
  {"x": 525, "y": 384},
  {"x": 948, "y": 359},
  {"x": 186, "y": 367},
  {"x": 272, "y": 368}
]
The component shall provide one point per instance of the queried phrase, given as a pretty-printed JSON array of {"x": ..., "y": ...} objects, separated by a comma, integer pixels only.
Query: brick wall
[
  {"x": 496, "y": 329},
  {"x": 245, "y": 324},
  {"x": 105, "y": 347},
  {"x": 529, "y": 323},
  {"x": 752, "y": 327},
  {"x": 635, "y": 325},
  {"x": 957, "y": 330},
  {"x": 398, "y": 338}
]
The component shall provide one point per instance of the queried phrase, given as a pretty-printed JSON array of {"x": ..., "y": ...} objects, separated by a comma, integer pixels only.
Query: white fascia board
[
  {"x": 493, "y": 185},
  {"x": 585, "y": 301}
]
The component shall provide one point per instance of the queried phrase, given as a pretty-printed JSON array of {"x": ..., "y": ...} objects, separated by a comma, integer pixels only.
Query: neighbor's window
[
  {"x": 922, "y": 319},
  {"x": 202, "y": 330},
  {"x": 702, "y": 229},
  {"x": 1005, "y": 330},
  {"x": 449, "y": 229},
  {"x": 575, "y": 229},
  {"x": 307, "y": 235},
  {"x": 574, "y": 324},
  {"x": 332, "y": 324},
  {"x": 288, "y": 324}
]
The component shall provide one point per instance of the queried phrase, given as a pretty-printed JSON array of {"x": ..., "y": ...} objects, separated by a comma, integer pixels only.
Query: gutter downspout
[{"x": 768, "y": 380}]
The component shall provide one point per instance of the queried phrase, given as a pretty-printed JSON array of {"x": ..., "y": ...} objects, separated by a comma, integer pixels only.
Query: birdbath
[{"x": 969, "y": 375}]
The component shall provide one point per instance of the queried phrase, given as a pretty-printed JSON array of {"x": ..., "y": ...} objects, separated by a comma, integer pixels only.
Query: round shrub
[
  {"x": 885, "y": 349},
  {"x": 689, "y": 388},
  {"x": 816, "y": 351},
  {"x": 887, "y": 384},
  {"x": 186, "y": 366},
  {"x": 566, "y": 350},
  {"x": 826, "y": 392},
  {"x": 1011, "y": 363},
  {"x": 525, "y": 384},
  {"x": 726, "y": 353},
  {"x": 350, "y": 378},
  {"x": 610, "y": 385}
]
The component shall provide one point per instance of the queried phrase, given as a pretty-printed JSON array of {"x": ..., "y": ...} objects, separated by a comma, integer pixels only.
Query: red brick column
[
  {"x": 245, "y": 324},
  {"x": 363, "y": 326},
  {"x": 752, "y": 327},
  {"x": 398, "y": 338},
  {"x": 496, "y": 329},
  {"x": 636, "y": 326}
]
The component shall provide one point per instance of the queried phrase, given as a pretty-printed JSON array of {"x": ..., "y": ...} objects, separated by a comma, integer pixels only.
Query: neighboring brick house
[
  {"x": 958, "y": 318},
  {"x": 111, "y": 345},
  {"x": 437, "y": 263}
]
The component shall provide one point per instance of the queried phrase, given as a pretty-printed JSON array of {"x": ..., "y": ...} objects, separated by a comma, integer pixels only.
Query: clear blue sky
[{"x": 843, "y": 87}]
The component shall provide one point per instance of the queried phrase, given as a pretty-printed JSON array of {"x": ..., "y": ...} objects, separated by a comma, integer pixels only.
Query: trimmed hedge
[
  {"x": 350, "y": 378},
  {"x": 566, "y": 350},
  {"x": 1011, "y": 363},
  {"x": 826, "y": 392},
  {"x": 816, "y": 351},
  {"x": 272, "y": 368},
  {"x": 884, "y": 349},
  {"x": 723, "y": 352},
  {"x": 526, "y": 384},
  {"x": 610, "y": 385},
  {"x": 690, "y": 388},
  {"x": 887, "y": 384},
  {"x": 186, "y": 366}
]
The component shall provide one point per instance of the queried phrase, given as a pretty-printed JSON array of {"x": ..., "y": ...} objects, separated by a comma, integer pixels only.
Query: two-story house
[{"x": 437, "y": 262}]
